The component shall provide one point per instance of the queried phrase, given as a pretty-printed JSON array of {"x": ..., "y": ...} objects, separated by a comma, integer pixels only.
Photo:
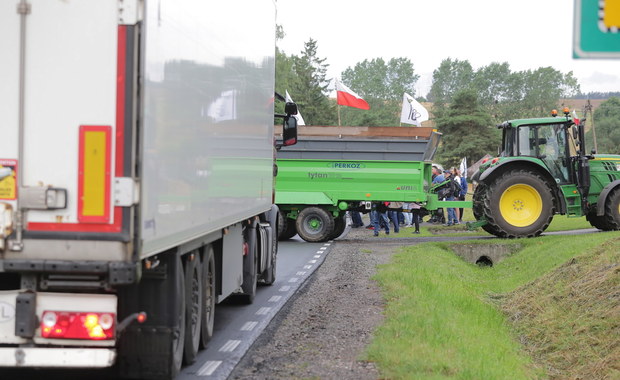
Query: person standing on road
[
  {"x": 394, "y": 208},
  {"x": 456, "y": 177},
  {"x": 380, "y": 215},
  {"x": 450, "y": 197},
  {"x": 462, "y": 194},
  {"x": 415, "y": 207}
]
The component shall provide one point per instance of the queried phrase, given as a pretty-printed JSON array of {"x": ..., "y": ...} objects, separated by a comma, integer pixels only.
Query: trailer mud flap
[{"x": 144, "y": 352}]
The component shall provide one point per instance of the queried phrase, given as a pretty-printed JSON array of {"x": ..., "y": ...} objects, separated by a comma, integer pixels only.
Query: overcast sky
[{"x": 527, "y": 34}]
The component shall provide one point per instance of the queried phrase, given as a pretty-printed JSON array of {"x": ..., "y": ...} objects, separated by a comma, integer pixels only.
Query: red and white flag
[
  {"x": 575, "y": 118},
  {"x": 346, "y": 97}
]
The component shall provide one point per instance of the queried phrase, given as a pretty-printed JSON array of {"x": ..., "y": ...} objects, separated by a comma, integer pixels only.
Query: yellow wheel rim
[{"x": 520, "y": 205}]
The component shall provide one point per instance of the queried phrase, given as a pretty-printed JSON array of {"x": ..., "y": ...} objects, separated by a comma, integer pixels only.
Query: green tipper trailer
[{"x": 322, "y": 177}]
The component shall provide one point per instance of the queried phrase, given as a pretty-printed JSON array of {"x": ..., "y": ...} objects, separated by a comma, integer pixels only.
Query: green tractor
[{"x": 544, "y": 170}]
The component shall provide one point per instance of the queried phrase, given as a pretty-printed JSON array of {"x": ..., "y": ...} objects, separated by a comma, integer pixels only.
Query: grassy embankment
[{"x": 550, "y": 310}]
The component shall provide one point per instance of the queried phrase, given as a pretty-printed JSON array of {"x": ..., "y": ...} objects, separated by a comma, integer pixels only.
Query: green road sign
[{"x": 596, "y": 29}]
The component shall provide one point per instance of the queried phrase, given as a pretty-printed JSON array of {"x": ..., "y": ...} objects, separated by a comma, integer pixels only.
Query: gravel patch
[{"x": 323, "y": 331}]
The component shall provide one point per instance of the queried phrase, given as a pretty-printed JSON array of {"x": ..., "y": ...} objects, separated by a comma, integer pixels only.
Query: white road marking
[
  {"x": 317, "y": 256},
  {"x": 300, "y": 273},
  {"x": 307, "y": 266},
  {"x": 208, "y": 368},
  {"x": 293, "y": 279},
  {"x": 285, "y": 288},
  {"x": 249, "y": 326},
  {"x": 230, "y": 346},
  {"x": 312, "y": 261},
  {"x": 275, "y": 299}
]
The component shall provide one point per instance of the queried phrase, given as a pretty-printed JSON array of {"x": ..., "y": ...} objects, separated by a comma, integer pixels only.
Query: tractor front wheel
[
  {"x": 612, "y": 210},
  {"x": 518, "y": 203}
]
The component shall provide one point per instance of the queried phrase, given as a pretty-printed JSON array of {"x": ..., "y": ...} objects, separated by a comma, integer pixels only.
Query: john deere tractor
[{"x": 544, "y": 170}]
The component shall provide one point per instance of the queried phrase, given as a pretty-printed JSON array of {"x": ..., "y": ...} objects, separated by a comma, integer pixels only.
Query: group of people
[
  {"x": 398, "y": 213},
  {"x": 450, "y": 186}
]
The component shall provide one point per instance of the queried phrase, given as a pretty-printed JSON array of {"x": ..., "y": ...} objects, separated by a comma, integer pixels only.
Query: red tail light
[
  {"x": 77, "y": 325},
  {"x": 485, "y": 160}
]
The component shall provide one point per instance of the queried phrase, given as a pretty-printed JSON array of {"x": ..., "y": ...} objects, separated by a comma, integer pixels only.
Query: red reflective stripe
[
  {"x": 120, "y": 100},
  {"x": 116, "y": 226}
]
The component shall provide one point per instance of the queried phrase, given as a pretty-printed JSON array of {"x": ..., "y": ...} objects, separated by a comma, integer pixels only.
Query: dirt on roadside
[{"x": 323, "y": 332}]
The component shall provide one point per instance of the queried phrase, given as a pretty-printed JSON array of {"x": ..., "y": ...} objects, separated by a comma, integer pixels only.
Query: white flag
[
  {"x": 224, "y": 108},
  {"x": 413, "y": 112},
  {"x": 300, "y": 120},
  {"x": 463, "y": 167}
]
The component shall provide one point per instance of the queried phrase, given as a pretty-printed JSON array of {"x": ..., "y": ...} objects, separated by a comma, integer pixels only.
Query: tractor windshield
[{"x": 547, "y": 142}]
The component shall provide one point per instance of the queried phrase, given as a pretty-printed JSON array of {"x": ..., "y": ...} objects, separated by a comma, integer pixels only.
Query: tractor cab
[{"x": 555, "y": 141}]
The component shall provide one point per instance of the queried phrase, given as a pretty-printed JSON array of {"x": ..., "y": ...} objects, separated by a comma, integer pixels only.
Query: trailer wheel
[
  {"x": 286, "y": 228},
  {"x": 340, "y": 224},
  {"x": 518, "y": 204},
  {"x": 193, "y": 306},
  {"x": 208, "y": 296},
  {"x": 269, "y": 275},
  {"x": 612, "y": 210},
  {"x": 314, "y": 224},
  {"x": 250, "y": 266},
  {"x": 178, "y": 328}
]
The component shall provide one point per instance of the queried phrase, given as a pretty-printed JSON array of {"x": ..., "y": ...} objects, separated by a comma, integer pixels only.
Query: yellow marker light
[
  {"x": 554, "y": 113},
  {"x": 566, "y": 111}
]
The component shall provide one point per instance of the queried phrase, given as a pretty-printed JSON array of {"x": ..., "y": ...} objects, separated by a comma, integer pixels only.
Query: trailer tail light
[
  {"x": 494, "y": 161},
  {"x": 77, "y": 325}
]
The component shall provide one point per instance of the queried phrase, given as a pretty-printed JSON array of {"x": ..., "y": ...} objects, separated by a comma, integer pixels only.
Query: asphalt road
[{"x": 237, "y": 326}]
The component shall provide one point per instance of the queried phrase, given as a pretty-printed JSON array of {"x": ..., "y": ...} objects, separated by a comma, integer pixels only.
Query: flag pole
[{"x": 338, "y": 107}]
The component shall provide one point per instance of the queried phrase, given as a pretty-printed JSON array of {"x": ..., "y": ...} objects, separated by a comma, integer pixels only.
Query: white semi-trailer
[{"x": 136, "y": 177}]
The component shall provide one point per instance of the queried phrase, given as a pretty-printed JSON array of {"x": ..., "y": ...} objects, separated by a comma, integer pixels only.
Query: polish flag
[
  {"x": 575, "y": 118},
  {"x": 346, "y": 97}
]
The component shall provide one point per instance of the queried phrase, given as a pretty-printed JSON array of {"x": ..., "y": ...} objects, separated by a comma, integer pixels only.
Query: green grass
[{"x": 443, "y": 315}]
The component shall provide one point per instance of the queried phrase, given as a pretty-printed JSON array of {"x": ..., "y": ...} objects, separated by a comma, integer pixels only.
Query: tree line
[{"x": 467, "y": 103}]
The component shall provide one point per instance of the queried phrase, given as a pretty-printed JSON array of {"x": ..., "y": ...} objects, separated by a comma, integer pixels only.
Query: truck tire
[
  {"x": 518, "y": 203},
  {"x": 340, "y": 224},
  {"x": 250, "y": 266},
  {"x": 612, "y": 210},
  {"x": 178, "y": 328},
  {"x": 314, "y": 224},
  {"x": 479, "y": 197},
  {"x": 208, "y": 294},
  {"x": 286, "y": 227},
  {"x": 193, "y": 306},
  {"x": 269, "y": 275}
]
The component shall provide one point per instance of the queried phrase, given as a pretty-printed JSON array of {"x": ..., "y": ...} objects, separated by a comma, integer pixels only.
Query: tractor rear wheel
[
  {"x": 314, "y": 224},
  {"x": 518, "y": 203},
  {"x": 612, "y": 210}
]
